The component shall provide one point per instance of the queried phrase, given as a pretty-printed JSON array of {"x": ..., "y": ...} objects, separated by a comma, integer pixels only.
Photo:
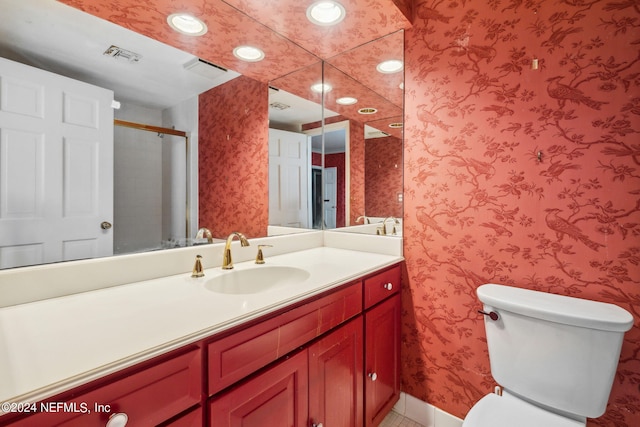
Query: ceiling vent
[
  {"x": 377, "y": 134},
  {"x": 279, "y": 105},
  {"x": 205, "y": 68},
  {"x": 119, "y": 53}
]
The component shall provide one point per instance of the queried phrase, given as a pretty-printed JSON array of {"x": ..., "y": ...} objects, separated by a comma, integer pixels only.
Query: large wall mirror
[{"x": 157, "y": 78}]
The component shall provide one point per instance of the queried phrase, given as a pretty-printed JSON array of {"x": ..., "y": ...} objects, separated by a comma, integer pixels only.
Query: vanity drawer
[
  {"x": 381, "y": 286},
  {"x": 236, "y": 356},
  {"x": 148, "y": 397}
]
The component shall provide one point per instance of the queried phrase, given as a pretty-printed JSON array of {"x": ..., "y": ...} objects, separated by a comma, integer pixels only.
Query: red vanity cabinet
[
  {"x": 382, "y": 345},
  {"x": 243, "y": 352},
  {"x": 149, "y": 394},
  {"x": 332, "y": 359}
]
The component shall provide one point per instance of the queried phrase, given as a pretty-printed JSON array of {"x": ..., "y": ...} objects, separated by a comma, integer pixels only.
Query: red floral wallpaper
[
  {"x": 359, "y": 64},
  {"x": 365, "y": 20},
  {"x": 356, "y": 171},
  {"x": 383, "y": 174},
  {"x": 233, "y": 151},
  {"x": 529, "y": 178}
]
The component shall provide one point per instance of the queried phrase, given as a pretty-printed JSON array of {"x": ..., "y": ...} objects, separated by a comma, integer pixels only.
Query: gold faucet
[
  {"x": 204, "y": 232},
  {"x": 260, "y": 255},
  {"x": 383, "y": 229},
  {"x": 197, "y": 268},
  {"x": 227, "y": 262},
  {"x": 364, "y": 218}
]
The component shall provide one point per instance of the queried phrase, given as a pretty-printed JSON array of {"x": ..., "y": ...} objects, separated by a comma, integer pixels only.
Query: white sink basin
[{"x": 256, "y": 279}]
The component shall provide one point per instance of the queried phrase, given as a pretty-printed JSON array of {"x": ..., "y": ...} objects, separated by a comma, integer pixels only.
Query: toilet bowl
[
  {"x": 554, "y": 356},
  {"x": 506, "y": 410}
]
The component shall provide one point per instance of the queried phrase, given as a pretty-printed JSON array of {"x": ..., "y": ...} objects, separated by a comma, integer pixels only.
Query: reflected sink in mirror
[{"x": 255, "y": 280}]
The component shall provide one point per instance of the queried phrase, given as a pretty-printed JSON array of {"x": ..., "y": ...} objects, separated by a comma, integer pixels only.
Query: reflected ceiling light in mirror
[
  {"x": 248, "y": 53},
  {"x": 326, "y": 13},
  {"x": 389, "y": 67},
  {"x": 346, "y": 100},
  {"x": 367, "y": 111},
  {"x": 321, "y": 87},
  {"x": 185, "y": 23}
]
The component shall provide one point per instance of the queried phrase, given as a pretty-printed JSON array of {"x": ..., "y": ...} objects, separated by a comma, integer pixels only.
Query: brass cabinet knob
[{"x": 105, "y": 225}]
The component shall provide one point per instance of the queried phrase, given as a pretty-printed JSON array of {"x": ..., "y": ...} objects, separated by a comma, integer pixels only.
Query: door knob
[{"x": 105, "y": 225}]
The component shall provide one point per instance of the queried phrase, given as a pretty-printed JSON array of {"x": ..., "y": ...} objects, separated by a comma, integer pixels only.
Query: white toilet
[{"x": 554, "y": 356}]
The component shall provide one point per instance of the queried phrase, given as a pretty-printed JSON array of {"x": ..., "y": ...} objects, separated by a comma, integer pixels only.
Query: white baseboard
[{"x": 424, "y": 413}]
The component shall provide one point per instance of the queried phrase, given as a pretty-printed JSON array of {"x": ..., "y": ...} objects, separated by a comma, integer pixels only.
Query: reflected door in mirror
[
  {"x": 330, "y": 180},
  {"x": 289, "y": 179},
  {"x": 56, "y": 167}
]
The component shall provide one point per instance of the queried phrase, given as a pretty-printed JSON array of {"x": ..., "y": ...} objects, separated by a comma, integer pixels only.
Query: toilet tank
[{"x": 557, "y": 351}]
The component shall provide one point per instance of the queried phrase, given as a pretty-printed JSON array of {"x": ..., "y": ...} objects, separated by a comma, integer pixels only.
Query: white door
[
  {"x": 330, "y": 182},
  {"x": 289, "y": 179},
  {"x": 56, "y": 167}
]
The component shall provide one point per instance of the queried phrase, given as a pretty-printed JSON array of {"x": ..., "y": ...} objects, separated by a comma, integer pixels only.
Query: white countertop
[{"x": 50, "y": 346}]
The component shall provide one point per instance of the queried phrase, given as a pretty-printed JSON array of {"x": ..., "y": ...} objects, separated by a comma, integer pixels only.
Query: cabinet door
[
  {"x": 148, "y": 397},
  {"x": 382, "y": 359},
  {"x": 276, "y": 397},
  {"x": 335, "y": 377}
]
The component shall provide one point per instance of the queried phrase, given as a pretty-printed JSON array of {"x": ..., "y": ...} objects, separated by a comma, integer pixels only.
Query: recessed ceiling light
[
  {"x": 248, "y": 53},
  {"x": 346, "y": 100},
  {"x": 187, "y": 24},
  {"x": 367, "y": 111},
  {"x": 390, "y": 66},
  {"x": 321, "y": 87},
  {"x": 326, "y": 13}
]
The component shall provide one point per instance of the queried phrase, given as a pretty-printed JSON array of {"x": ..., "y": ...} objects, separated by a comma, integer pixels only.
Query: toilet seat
[{"x": 509, "y": 411}]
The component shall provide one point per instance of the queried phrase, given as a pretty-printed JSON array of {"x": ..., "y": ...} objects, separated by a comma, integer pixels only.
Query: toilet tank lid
[{"x": 556, "y": 308}]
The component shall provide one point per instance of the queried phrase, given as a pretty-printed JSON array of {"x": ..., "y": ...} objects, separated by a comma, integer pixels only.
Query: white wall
[
  {"x": 150, "y": 186},
  {"x": 184, "y": 116},
  {"x": 137, "y": 224}
]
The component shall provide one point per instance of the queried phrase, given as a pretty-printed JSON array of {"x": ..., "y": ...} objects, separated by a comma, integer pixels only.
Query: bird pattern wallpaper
[{"x": 522, "y": 167}]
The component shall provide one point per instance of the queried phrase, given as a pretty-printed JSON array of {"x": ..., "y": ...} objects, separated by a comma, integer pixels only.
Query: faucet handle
[
  {"x": 260, "y": 256},
  {"x": 197, "y": 267}
]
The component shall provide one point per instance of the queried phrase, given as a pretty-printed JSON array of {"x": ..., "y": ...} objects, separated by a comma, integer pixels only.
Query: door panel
[
  {"x": 335, "y": 377},
  {"x": 277, "y": 397},
  {"x": 289, "y": 179},
  {"x": 56, "y": 165},
  {"x": 330, "y": 183},
  {"x": 382, "y": 359}
]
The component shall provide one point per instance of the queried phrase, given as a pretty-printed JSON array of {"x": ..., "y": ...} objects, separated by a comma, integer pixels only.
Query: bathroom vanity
[{"x": 325, "y": 352}]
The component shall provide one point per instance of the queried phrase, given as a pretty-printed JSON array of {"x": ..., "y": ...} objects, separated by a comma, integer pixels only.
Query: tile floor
[{"x": 396, "y": 420}]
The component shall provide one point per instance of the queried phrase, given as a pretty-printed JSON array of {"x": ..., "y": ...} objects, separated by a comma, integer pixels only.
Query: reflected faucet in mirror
[
  {"x": 227, "y": 262},
  {"x": 204, "y": 232},
  {"x": 364, "y": 219},
  {"x": 383, "y": 229}
]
